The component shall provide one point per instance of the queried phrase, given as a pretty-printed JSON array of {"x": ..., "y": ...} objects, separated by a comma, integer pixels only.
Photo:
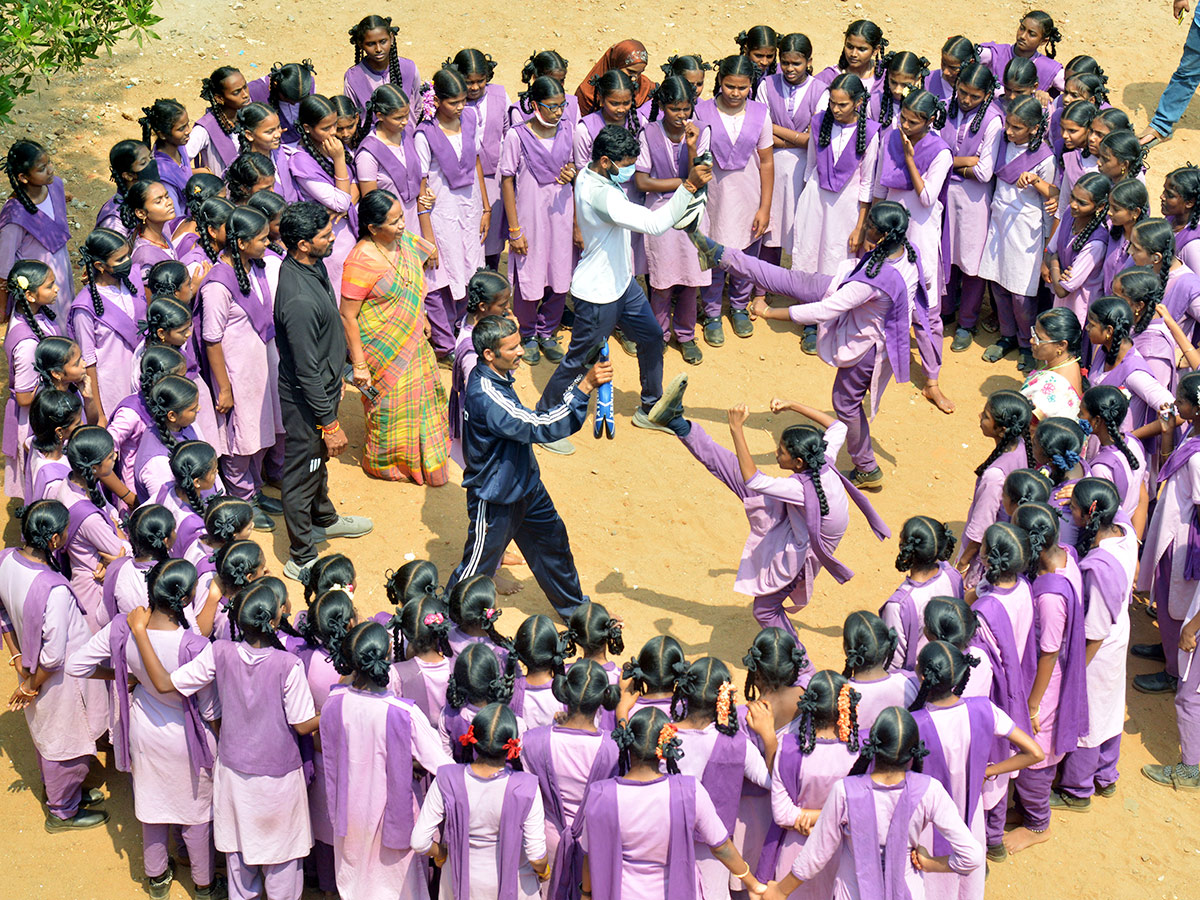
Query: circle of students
[{"x": 425, "y": 750}]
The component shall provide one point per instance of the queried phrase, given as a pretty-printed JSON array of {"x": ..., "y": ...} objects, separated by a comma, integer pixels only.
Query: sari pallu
[{"x": 407, "y": 433}]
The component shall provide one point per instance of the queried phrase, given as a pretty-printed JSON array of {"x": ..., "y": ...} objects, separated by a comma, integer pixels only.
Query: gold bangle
[
  {"x": 744, "y": 874},
  {"x": 24, "y": 693}
]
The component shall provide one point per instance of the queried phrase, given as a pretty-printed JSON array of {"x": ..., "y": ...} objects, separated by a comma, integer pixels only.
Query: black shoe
[
  {"x": 808, "y": 343},
  {"x": 1000, "y": 349},
  {"x": 218, "y": 890},
  {"x": 533, "y": 352},
  {"x": 690, "y": 350},
  {"x": 85, "y": 818},
  {"x": 91, "y": 797},
  {"x": 1149, "y": 651},
  {"x": 963, "y": 338},
  {"x": 866, "y": 481},
  {"x": 160, "y": 887},
  {"x": 1157, "y": 683},
  {"x": 269, "y": 505},
  {"x": 1064, "y": 801},
  {"x": 262, "y": 522},
  {"x": 714, "y": 332},
  {"x": 447, "y": 361},
  {"x": 550, "y": 349},
  {"x": 627, "y": 345},
  {"x": 740, "y": 320}
]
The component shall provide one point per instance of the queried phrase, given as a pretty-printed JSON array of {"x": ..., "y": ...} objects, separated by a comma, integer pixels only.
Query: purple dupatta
[
  {"x": 51, "y": 233},
  {"x": 897, "y": 319},
  {"x": 257, "y": 304},
  {"x": 544, "y": 162},
  {"x": 983, "y": 726},
  {"x": 881, "y": 877},
  {"x": 405, "y": 175},
  {"x": 114, "y": 318},
  {"x": 893, "y": 173},
  {"x": 1022, "y": 162},
  {"x": 457, "y": 168},
  {"x": 833, "y": 175},
  {"x": 1071, "y": 723},
  {"x": 219, "y": 142}
]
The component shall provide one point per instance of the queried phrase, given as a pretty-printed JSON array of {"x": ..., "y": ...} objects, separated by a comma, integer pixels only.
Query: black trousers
[
  {"x": 305, "y": 482},
  {"x": 541, "y": 536}
]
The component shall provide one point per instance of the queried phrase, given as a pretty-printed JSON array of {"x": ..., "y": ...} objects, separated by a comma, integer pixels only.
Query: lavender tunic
[
  {"x": 894, "y": 689},
  {"x": 20, "y": 344},
  {"x": 905, "y": 612},
  {"x": 1019, "y": 225},
  {"x": 108, "y": 342},
  {"x": 97, "y": 533},
  {"x": 491, "y": 108},
  {"x": 1050, "y": 620},
  {"x": 311, "y": 182},
  {"x": 1106, "y": 619},
  {"x": 392, "y": 168},
  {"x": 209, "y": 145},
  {"x": 735, "y": 192},
  {"x": 42, "y": 236},
  {"x": 925, "y": 207},
  {"x": 361, "y": 80},
  {"x": 1086, "y": 265},
  {"x": 1169, "y": 529},
  {"x": 791, "y": 106},
  {"x": 669, "y": 256},
  {"x": 424, "y": 683},
  {"x": 969, "y": 200}
]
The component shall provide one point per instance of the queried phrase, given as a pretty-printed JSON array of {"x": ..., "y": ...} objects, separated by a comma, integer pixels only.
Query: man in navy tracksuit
[{"x": 506, "y": 499}]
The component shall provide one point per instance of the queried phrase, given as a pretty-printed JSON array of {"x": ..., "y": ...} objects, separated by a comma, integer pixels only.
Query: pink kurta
[
  {"x": 322, "y": 676},
  {"x": 367, "y": 168},
  {"x": 1106, "y": 671},
  {"x": 896, "y": 689},
  {"x": 17, "y": 243},
  {"x": 1050, "y": 620},
  {"x": 102, "y": 346},
  {"x": 23, "y": 378},
  {"x": 968, "y": 202},
  {"x": 97, "y": 534},
  {"x": 424, "y": 683},
  {"x": 455, "y": 219},
  {"x": 670, "y": 257},
  {"x": 945, "y": 583},
  {"x": 339, "y": 204},
  {"x": 734, "y": 195},
  {"x": 493, "y": 123}
]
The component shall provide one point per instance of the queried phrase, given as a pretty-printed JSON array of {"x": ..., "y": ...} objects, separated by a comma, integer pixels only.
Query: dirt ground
[{"x": 655, "y": 538}]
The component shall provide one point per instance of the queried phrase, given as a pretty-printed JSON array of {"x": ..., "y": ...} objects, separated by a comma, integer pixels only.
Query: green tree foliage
[{"x": 41, "y": 37}]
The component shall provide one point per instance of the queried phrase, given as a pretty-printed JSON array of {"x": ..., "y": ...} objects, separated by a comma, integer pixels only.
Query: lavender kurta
[
  {"x": 734, "y": 195},
  {"x": 369, "y": 168},
  {"x": 1017, "y": 229},
  {"x": 1086, "y": 265},
  {"x": 493, "y": 122},
  {"x": 988, "y": 502},
  {"x": 895, "y": 689},
  {"x": 360, "y": 82},
  {"x": 969, "y": 200},
  {"x": 18, "y": 243},
  {"x": 108, "y": 342},
  {"x": 69, "y": 713},
  {"x": 424, "y": 683},
  {"x": 322, "y": 189},
  {"x": 924, "y": 207},
  {"x": 322, "y": 676},
  {"x": 1050, "y": 620},
  {"x": 792, "y": 106},
  {"x": 97, "y": 534},
  {"x": 1106, "y": 671},
  {"x": 670, "y": 257},
  {"x": 20, "y": 344},
  {"x": 1168, "y": 532},
  {"x": 916, "y": 594}
]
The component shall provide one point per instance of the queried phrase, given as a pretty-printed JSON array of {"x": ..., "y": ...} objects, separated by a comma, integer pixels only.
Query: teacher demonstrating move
[{"x": 603, "y": 287}]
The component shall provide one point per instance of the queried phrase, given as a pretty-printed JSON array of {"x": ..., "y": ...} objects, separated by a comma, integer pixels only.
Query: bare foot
[
  {"x": 1022, "y": 839},
  {"x": 506, "y": 585},
  {"x": 513, "y": 558},
  {"x": 934, "y": 395}
]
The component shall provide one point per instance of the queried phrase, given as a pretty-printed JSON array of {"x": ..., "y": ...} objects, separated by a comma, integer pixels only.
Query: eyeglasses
[{"x": 552, "y": 107}]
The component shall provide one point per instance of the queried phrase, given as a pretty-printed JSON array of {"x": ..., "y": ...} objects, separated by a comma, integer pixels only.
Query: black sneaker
[
  {"x": 997, "y": 853},
  {"x": 269, "y": 505},
  {"x": 963, "y": 338},
  {"x": 714, "y": 332},
  {"x": 262, "y": 522},
  {"x": 866, "y": 481},
  {"x": 533, "y": 352},
  {"x": 218, "y": 890},
  {"x": 627, "y": 345},
  {"x": 85, "y": 818},
  {"x": 691, "y": 352}
]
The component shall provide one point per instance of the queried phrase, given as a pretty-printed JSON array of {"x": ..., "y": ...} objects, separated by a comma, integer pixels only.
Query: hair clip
[
  {"x": 490, "y": 613},
  {"x": 512, "y": 748},
  {"x": 434, "y": 618}
]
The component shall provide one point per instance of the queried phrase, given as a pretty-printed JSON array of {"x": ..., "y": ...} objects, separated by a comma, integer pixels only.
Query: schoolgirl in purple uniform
[
  {"x": 477, "y": 679},
  {"x": 54, "y": 416},
  {"x": 44, "y": 626},
  {"x": 151, "y": 535},
  {"x": 226, "y": 521},
  {"x": 568, "y": 756},
  {"x": 187, "y": 230},
  {"x": 739, "y": 196},
  {"x": 1058, "y": 449},
  {"x": 863, "y": 46},
  {"x": 474, "y": 613},
  {"x": 490, "y": 102},
  {"x": 172, "y": 403},
  {"x": 128, "y": 161},
  {"x": 649, "y": 677},
  {"x": 371, "y": 742},
  {"x": 535, "y": 172},
  {"x": 1075, "y": 257},
  {"x": 870, "y": 646},
  {"x": 1152, "y": 243},
  {"x": 386, "y": 156},
  {"x": 957, "y": 54},
  {"x": 449, "y": 141},
  {"x": 925, "y": 546},
  {"x": 640, "y": 831},
  {"x": 32, "y": 290},
  {"x": 194, "y": 474},
  {"x": 258, "y": 778},
  {"x": 166, "y": 741},
  {"x": 238, "y": 564},
  {"x": 425, "y": 672},
  {"x": 595, "y": 634},
  {"x": 209, "y": 218},
  {"x": 148, "y": 211},
  {"x": 1071, "y": 140},
  {"x": 951, "y": 620},
  {"x": 871, "y": 827},
  {"x": 283, "y": 89},
  {"x": 166, "y": 127},
  {"x": 377, "y": 62},
  {"x": 33, "y": 221},
  {"x": 718, "y": 752},
  {"x": 271, "y": 205},
  {"x": 259, "y": 131},
  {"x": 1109, "y": 326},
  {"x": 1115, "y": 455},
  {"x": 104, "y": 317},
  {"x": 542, "y": 652},
  {"x": 213, "y": 141},
  {"x": 544, "y": 62},
  {"x": 1108, "y": 551},
  {"x": 809, "y": 762},
  {"x": 1121, "y": 156},
  {"x": 1128, "y": 204},
  {"x": 1035, "y": 31},
  {"x": 961, "y": 736},
  {"x": 1181, "y": 206},
  {"x": 903, "y": 73},
  {"x": 1058, "y": 700}
]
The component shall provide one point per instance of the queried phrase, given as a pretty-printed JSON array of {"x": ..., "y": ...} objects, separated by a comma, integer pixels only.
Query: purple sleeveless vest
[
  {"x": 302, "y": 165},
  {"x": 729, "y": 155},
  {"x": 1102, "y": 568},
  {"x": 458, "y": 169},
  {"x": 983, "y": 726},
  {"x": 667, "y": 160},
  {"x": 34, "y": 613},
  {"x": 257, "y": 305},
  {"x": 1010, "y": 686},
  {"x": 151, "y": 446},
  {"x": 255, "y": 737},
  {"x": 493, "y": 127},
  {"x": 405, "y": 175},
  {"x": 545, "y": 163},
  {"x": 723, "y": 774},
  {"x": 109, "y": 593},
  {"x": 799, "y": 119},
  {"x": 896, "y": 322},
  {"x": 52, "y": 234},
  {"x": 219, "y": 142},
  {"x": 51, "y": 471},
  {"x": 894, "y": 172},
  {"x": 1022, "y": 162},
  {"x": 882, "y": 878},
  {"x": 833, "y": 175}
]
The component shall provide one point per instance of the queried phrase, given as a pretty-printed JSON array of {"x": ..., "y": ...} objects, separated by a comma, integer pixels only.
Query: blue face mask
[{"x": 623, "y": 174}]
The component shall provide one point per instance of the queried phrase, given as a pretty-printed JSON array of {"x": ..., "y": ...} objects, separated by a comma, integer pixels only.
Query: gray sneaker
[
  {"x": 563, "y": 447},
  {"x": 641, "y": 420},
  {"x": 344, "y": 527},
  {"x": 669, "y": 406},
  {"x": 295, "y": 571}
]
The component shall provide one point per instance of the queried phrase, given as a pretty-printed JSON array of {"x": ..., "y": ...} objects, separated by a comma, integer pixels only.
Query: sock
[{"x": 681, "y": 426}]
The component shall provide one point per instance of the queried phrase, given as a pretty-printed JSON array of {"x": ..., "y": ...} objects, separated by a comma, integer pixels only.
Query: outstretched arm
[
  {"x": 737, "y": 422},
  {"x": 809, "y": 412}
]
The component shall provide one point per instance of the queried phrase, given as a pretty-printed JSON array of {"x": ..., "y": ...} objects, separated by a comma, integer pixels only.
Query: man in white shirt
[{"x": 606, "y": 293}]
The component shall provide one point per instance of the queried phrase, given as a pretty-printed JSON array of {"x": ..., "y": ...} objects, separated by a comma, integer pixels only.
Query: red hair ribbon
[
  {"x": 469, "y": 738},
  {"x": 512, "y": 748}
]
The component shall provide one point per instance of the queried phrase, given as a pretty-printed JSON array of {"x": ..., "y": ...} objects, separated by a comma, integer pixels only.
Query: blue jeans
[{"x": 1175, "y": 99}]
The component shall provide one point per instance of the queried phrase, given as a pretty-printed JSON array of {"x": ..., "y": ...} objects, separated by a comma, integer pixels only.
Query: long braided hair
[
  {"x": 33, "y": 273},
  {"x": 1129, "y": 194},
  {"x": 87, "y": 450},
  {"x": 1011, "y": 413},
  {"x": 1157, "y": 236},
  {"x": 924, "y": 542},
  {"x": 1114, "y": 313},
  {"x": 328, "y": 621},
  {"x": 171, "y": 395},
  {"x": 121, "y": 159},
  {"x": 611, "y": 82},
  {"x": 1059, "y": 442},
  {"x": 358, "y": 35},
  {"x": 807, "y": 443},
  {"x": 22, "y": 156},
  {"x": 944, "y": 670},
  {"x": 873, "y": 35},
  {"x": 975, "y": 75},
  {"x": 245, "y": 172},
  {"x": 705, "y": 690},
  {"x": 191, "y": 461},
  {"x": 211, "y": 217},
  {"x": 1098, "y": 186},
  {"x": 313, "y": 109},
  {"x": 857, "y": 92},
  {"x": 170, "y": 586},
  {"x": 243, "y": 226},
  {"x": 1125, "y": 147},
  {"x": 1098, "y": 502},
  {"x": 902, "y": 62},
  {"x": 97, "y": 248},
  {"x": 890, "y": 219},
  {"x": 1029, "y": 110},
  {"x": 868, "y": 642},
  {"x": 1141, "y": 287},
  {"x": 1109, "y": 404},
  {"x": 829, "y": 701},
  {"x": 212, "y": 91}
]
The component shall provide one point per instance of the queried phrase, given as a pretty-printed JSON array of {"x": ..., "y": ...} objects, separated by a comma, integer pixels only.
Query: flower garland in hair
[
  {"x": 512, "y": 748},
  {"x": 429, "y": 103},
  {"x": 845, "y": 702},
  {"x": 726, "y": 695},
  {"x": 666, "y": 738},
  {"x": 469, "y": 738},
  {"x": 347, "y": 589}
]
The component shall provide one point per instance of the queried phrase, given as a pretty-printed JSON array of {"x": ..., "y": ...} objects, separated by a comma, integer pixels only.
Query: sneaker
[
  {"x": 740, "y": 320},
  {"x": 1059, "y": 800},
  {"x": 1105, "y": 790},
  {"x": 714, "y": 332},
  {"x": 563, "y": 447},
  {"x": 997, "y": 853},
  {"x": 1149, "y": 651},
  {"x": 1000, "y": 349},
  {"x": 1027, "y": 363},
  {"x": 218, "y": 890},
  {"x": 550, "y": 349},
  {"x": 1156, "y": 683},
  {"x": 808, "y": 343},
  {"x": 642, "y": 420},
  {"x": 269, "y": 505},
  {"x": 296, "y": 571},
  {"x": 867, "y": 481},
  {"x": 85, "y": 818},
  {"x": 669, "y": 406},
  {"x": 691, "y": 353},
  {"x": 262, "y": 522},
  {"x": 344, "y": 527},
  {"x": 694, "y": 211},
  {"x": 1178, "y": 776},
  {"x": 160, "y": 887},
  {"x": 533, "y": 352},
  {"x": 963, "y": 338},
  {"x": 627, "y": 345}
]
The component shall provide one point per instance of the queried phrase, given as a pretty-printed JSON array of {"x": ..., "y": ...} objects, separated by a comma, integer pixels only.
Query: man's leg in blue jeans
[{"x": 1175, "y": 99}]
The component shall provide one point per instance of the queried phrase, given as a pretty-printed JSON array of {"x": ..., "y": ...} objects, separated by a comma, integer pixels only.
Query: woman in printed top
[
  {"x": 378, "y": 62},
  {"x": 925, "y": 546},
  {"x": 33, "y": 220},
  {"x": 213, "y": 141},
  {"x": 1035, "y": 30}
]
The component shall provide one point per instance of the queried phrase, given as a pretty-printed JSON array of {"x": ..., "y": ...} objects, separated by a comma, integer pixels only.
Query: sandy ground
[{"x": 656, "y": 539}]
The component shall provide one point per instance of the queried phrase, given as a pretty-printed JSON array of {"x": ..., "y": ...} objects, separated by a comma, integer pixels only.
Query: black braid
[
  {"x": 1089, "y": 229},
  {"x": 26, "y": 313},
  {"x": 394, "y": 58},
  {"x": 323, "y": 161},
  {"x": 204, "y": 239},
  {"x": 980, "y": 113},
  {"x": 195, "y": 501},
  {"x": 825, "y": 135},
  {"x": 860, "y": 131},
  {"x": 1108, "y": 415},
  {"x": 886, "y": 103},
  {"x": 815, "y": 461},
  {"x": 93, "y": 488},
  {"x": 209, "y": 91},
  {"x": 1039, "y": 134},
  {"x": 243, "y": 278},
  {"x": 19, "y": 191},
  {"x": 1087, "y": 534},
  {"x": 87, "y": 261}
]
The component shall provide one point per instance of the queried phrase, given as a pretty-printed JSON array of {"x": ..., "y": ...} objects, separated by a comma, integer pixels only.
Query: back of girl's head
[
  {"x": 246, "y": 171},
  {"x": 87, "y": 450},
  {"x": 1115, "y": 119},
  {"x": 705, "y": 689},
  {"x": 473, "y": 604},
  {"x": 237, "y": 562},
  {"x": 334, "y": 570},
  {"x": 1061, "y": 324},
  {"x": 1189, "y": 388},
  {"x": 924, "y": 542},
  {"x": 448, "y": 82},
  {"x": 170, "y": 394},
  {"x": 1006, "y": 551},
  {"x": 328, "y": 621},
  {"x": 950, "y": 619},
  {"x": 166, "y": 277},
  {"x": 1021, "y": 73},
  {"x": 890, "y": 219},
  {"x": 1077, "y": 65},
  {"x": 585, "y": 688},
  {"x": 943, "y": 670},
  {"x": 366, "y": 653},
  {"x": 1117, "y": 314},
  {"x": 1011, "y": 413},
  {"x": 544, "y": 62},
  {"x": 51, "y": 355},
  {"x": 159, "y": 360},
  {"x": 1143, "y": 288},
  {"x": 737, "y": 66},
  {"x": 252, "y": 614},
  {"x": 269, "y": 203},
  {"x": 1109, "y": 404},
  {"x": 648, "y": 737},
  {"x": 592, "y": 630},
  {"x": 495, "y": 736},
  {"x": 150, "y": 529},
  {"x": 807, "y": 443},
  {"x": 474, "y": 62},
  {"x": 539, "y": 646},
  {"x": 42, "y": 522},
  {"x": 653, "y": 670},
  {"x": 226, "y": 518},
  {"x": 867, "y": 641},
  {"x": 1027, "y": 486},
  {"x": 1040, "y": 522},
  {"x": 191, "y": 460},
  {"x": 829, "y": 701},
  {"x": 291, "y": 82},
  {"x": 50, "y": 412},
  {"x": 415, "y": 579},
  {"x": 775, "y": 660},
  {"x": 425, "y": 624},
  {"x": 483, "y": 288},
  {"x": 1099, "y": 502},
  {"x": 894, "y": 744},
  {"x": 1094, "y": 86},
  {"x": 1060, "y": 441},
  {"x": 170, "y": 586},
  {"x": 199, "y": 189},
  {"x": 477, "y": 678},
  {"x": 673, "y": 89}
]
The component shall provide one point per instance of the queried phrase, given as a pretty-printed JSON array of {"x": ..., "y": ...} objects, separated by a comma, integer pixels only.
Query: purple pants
[
  {"x": 740, "y": 288},
  {"x": 1015, "y": 312},
  {"x": 280, "y": 881},
  {"x": 538, "y": 317},
  {"x": 931, "y": 346},
  {"x": 675, "y": 309},
  {"x": 1168, "y": 627},
  {"x": 444, "y": 313},
  {"x": 768, "y": 608},
  {"x": 323, "y": 866},
  {"x": 63, "y": 780},
  {"x": 993, "y": 822},
  {"x": 274, "y": 461},
  {"x": 850, "y": 387},
  {"x": 970, "y": 297},
  {"x": 1033, "y": 790},
  {"x": 772, "y": 256},
  {"x": 243, "y": 474},
  {"x": 1187, "y": 713},
  {"x": 197, "y": 839},
  {"x": 1086, "y": 767}
]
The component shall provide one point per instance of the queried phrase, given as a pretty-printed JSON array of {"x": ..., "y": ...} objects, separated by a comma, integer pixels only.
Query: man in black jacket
[{"x": 312, "y": 351}]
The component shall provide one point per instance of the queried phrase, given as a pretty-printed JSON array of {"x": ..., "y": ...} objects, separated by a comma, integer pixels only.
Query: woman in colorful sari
[{"x": 382, "y": 310}]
